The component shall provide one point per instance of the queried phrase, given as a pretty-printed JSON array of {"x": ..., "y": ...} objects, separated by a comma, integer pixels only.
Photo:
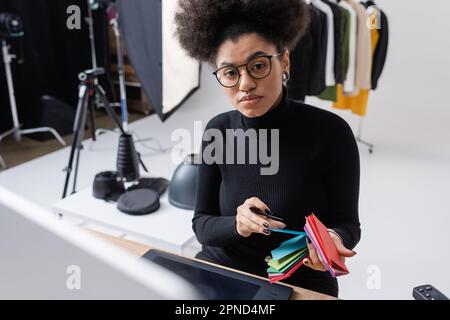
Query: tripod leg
[
  {"x": 79, "y": 146},
  {"x": 92, "y": 118},
  {"x": 102, "y": 95},
  {"x": 82, "y": 104},
  {"x": 77, "y": 162},
  {"x": 68, "y": 169}
]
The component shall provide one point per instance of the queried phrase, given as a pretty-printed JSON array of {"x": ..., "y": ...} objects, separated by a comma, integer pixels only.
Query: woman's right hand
[{"x": 248, "y": 222}]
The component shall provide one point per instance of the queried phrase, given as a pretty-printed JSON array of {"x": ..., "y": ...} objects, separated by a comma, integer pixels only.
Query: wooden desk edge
[{"x": 139, "y": 249}]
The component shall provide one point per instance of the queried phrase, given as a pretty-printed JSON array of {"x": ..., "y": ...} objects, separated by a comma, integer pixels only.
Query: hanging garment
[
  {"x": 358, "y": 103},
  {"x": 346, "y": 42},
  {"x": 300, "y": 58},
  {"x": 308, "y": 59},
  {"x": 379, "y": 58},
  {"x": 349, "y": 82},
  {"x": 330, "y": 92},
  {"x": 338, "y": 40},
  {"x": 363, "y": 50},
  {"x": 316, "y": 82},
  {"x": 329, "y": 66}
]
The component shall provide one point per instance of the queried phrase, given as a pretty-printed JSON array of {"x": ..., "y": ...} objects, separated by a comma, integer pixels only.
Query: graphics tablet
[{"x": 217, "y": 283}]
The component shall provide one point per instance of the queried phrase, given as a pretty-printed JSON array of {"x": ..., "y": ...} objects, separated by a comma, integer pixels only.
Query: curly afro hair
[{"x": 203, "y": 25}]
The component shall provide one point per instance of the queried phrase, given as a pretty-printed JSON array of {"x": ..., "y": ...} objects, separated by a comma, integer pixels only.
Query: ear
[{"x": 286, "y": 61}]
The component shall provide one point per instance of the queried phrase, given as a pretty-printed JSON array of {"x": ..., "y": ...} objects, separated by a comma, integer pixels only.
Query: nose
[{"x": 247, "y": 82}]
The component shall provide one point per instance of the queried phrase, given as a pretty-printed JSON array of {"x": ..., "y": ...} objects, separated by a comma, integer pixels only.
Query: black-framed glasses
[{"x": 258, "y": 68}]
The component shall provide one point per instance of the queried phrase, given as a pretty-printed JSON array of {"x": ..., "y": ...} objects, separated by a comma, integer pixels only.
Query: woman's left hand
[{"x": 315, "y": 261}]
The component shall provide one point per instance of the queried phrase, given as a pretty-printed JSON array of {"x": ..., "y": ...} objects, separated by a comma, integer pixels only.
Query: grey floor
[{"x": 405, "y": 184}]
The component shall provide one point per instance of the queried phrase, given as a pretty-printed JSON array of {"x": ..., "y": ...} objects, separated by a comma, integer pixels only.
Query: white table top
[{"x": 168, "y": 228}]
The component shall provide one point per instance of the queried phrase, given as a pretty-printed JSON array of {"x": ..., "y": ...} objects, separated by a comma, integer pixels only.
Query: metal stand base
[
  {"x": 358, "y": 137},
  {"x": 158, "y": 148},
  {"x": 2, "y": 163},
  {"x": 16, "y": 131},
  {"x": 366, "y": 143}
]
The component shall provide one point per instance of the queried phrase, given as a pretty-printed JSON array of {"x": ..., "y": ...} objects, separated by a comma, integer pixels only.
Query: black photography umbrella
[{"x": 167, "y": 75}]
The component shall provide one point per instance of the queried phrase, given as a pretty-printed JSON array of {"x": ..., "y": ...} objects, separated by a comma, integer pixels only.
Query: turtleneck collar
[{"x": 273, "y": 118}]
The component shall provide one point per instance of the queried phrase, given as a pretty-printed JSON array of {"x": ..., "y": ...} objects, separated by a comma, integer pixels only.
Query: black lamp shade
[{"x": 127, "y": 159}]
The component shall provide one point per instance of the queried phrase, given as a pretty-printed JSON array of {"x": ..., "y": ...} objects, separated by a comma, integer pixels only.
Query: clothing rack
[{"x": 346, "y": 66}]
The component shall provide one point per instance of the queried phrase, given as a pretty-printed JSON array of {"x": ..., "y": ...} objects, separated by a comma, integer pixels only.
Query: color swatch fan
[
  {"x": 324, "y": 245},
  {"x": 288, "y": 257}
]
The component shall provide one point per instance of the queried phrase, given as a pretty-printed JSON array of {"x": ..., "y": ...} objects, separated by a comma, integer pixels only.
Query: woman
[{"x": 248, "y": 43}]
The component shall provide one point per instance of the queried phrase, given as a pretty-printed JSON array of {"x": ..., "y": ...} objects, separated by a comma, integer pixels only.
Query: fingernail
[
  {"x": 266, "y": 231},
  {"x": 266, "y": 225},
  {"x": 354, "y": 252},
  {"x": 306, "y": 261}
]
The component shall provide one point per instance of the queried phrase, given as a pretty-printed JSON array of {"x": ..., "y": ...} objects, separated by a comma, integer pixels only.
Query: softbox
[{"x": 167, "y": 75}]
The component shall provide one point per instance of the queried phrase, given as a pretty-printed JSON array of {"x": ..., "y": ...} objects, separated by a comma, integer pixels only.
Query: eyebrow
[{"x": 250, "y": 57}]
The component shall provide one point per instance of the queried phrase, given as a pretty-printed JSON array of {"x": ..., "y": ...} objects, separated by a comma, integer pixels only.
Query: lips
[{"x": 249, "y": 98}]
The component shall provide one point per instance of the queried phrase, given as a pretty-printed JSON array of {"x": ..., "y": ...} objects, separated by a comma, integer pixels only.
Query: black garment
[
  {"x": 379, "y": 56},
  {"x": 308, "y": 59},
  {"x": 338, "y": 41},
  {"x": 316, "y": 81},
  {"x": 300, "y": 63},
  {"x": 318, "y": 172}
]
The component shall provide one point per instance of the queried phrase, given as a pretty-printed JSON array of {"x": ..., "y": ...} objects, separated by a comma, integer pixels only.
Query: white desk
[{"x": 168, "y": 228}]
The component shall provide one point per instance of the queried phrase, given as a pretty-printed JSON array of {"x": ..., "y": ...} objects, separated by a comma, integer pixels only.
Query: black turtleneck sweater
[{"x": 318, "y": 173}]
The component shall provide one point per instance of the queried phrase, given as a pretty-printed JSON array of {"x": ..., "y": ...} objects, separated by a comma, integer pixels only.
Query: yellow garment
[
  {"x": 375, "y": 37},
  {"x": 357, "y": 103}
]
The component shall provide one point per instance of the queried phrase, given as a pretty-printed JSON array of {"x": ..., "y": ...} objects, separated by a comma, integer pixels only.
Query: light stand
[
  {"x": 90, "y": 22},
  {"x": 113, "y": 16},
  {"x": 16, "y": 131}
]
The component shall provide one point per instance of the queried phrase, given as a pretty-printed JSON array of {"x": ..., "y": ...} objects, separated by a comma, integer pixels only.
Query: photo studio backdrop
[
  {"x": 167, "y": 75},
  {"x": 54, "y": 55}
]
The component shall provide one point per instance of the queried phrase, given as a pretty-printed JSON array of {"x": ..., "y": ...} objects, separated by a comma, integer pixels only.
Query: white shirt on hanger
[
  {"x": 330, "y": 79},
  {"x": 349, "y": 82}
]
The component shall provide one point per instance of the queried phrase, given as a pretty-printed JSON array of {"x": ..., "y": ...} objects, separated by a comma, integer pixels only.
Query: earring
[{"x": 286, "y": 76}]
